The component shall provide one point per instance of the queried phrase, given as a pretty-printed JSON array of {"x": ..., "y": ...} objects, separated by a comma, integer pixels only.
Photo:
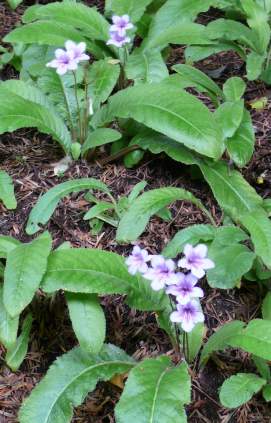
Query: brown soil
[{"x": 28, "y": 158}]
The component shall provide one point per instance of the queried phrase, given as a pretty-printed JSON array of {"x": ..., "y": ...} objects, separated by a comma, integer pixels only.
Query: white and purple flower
[
  {"x": 118, "y": 40},
  {"x": 63, "y": 62},
  {"x": 161, "y": 273},
  {"x": 196, "y": 260},
  {"x": 185, "y": 288},
  {"x": 121, "y": 24},
  {"x": 137, "y": 261},
  {"x": 188, "y": 315},
  {"x": 77, "y": 51}
]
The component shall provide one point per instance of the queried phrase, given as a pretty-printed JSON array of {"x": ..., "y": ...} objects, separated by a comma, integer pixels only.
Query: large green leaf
[
  {"x": 239, "y": 389},
  {"x": 234, "y": 88},
  {"x": 27, "y": 91},
  {"x": 227, "y": 29},
  {"x": 259, "y": 226},
  {"x": 102, "y": 78},
  {"x": 7, "y": 243},
  {"x": 169, "y": 110},
  {"x": 88, "y": 320},
  {"x": 241, "y": 145},
  {"x": 255, "y": 338},
  {"x": 231, "y": 190},
  {"x": 47, "y": 203},
  {"x": 134, "y": 8},
  {"x": 195, "y": 53},
  {"x": 142, "y": 297},
  {"x": 8, "y": 325},
  {"x": 135, "y": 220},
  {"x": 155, "y": 392},
  {"x": 25, "y": 267},
  {"x": 18, "y": 112},
  {"x": 229, "y": 115},
  {"x": 220, "y": 339},
  {"x": 266, "y": 307},
  {"x": 191, "y": 235},
  {"x": 69, "y": 380},
  {"x": 7, "y": 190},
  {"x": 77, "y": 15},
  {"x": 16, "y": 353},
  {"x": 231, "y": 263},
  {"x": 176, "y": 11},
  {"x": 100, "y": 136},
  {"x": 14, "y": 3},
  {"x": 146, "y": 67}
]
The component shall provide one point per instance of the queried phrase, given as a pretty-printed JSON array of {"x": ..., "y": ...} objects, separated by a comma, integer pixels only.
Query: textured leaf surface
[
  {"x": 69, "y": 380},
  {"x": 100, "y": 136},
  {"x": 25, "y": 267},
  {"x": 16, "y": 353},
  {"x": 266, "y": 307},
  {"x": 102, "y": 78},
  {"x": 7, "y": 190},
  {"x": 45, "y": 207},
  {"x": 146, "y": 67},
  {"x": 259, "y": 226},
  {"x": 155, "y": 391},
  {"x": 134, "y": 8},
  {"x": 8, "y": 325},
  {"x": 234, "y": 88},
  {"x": 7, "y": 243},
  {"x": 255, "y": 338},
  {"x": 169, "y": 110},
  {"x": 229, "y": 115},
  {"x": 17, "y": 112},
  {"x": 220, "y": 339},
  {"x": 239, "y": 389},
  {"x": 88, "y": 320},
  {"x": 134, "y": 221}
]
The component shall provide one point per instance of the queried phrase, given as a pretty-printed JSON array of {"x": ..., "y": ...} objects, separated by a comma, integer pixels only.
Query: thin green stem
[
  {"x": 86, "y": 114},
  {"x": 78, "y": 107},
  {"x": 68, "y": 111},
  {"x": 186, "y": 346},
  {"x": 177, "y": 335}
]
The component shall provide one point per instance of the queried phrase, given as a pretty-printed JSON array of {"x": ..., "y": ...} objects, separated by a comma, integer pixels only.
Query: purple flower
[
  {"x": 77, "y": 50},
  {"x": 63, "y": 62},
  {"x": 118, "y": 40},
  {"x": 136, "y": 262},
  {"x": 121, "y": 24},
  {"x": 188, "y": 315},
  {"x": 185, "y": 288},
  {"x": 161, "y": 273},
  {"x": 195, "y": 260}
]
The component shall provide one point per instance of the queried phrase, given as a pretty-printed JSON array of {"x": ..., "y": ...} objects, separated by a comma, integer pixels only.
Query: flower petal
[{"x": 201, "y": 250}]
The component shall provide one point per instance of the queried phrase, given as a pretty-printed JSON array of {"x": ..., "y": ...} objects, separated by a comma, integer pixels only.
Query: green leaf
[
  {"x": 259, "y": 226},
  {"x": 198, "y": 78},
  {"x": 241, "y": 145},
  {"x": 135, "y": 220},
  {"x": 98, "y": 209},
  {"x": 88, "y": 320},
  {"x": 179, "y": 33},
  {"x": 14, "y": 3},
  {"x": 195, "y": 339},
  {"x": 158, "y": 390},
  {"x": 47, "y": 203},
  {"x": 266, "y": 307},
  {"x": 8, "y": 325},
  {"x": 228, "y": 235},
  {"x": 134, "y": 8},
  {"x": 174, "y": 12},
  {"x": 146, "y": 67},
  {"x": 76, "y": 15},
  {"x": 267, "y": 392},
  {"x": 227, "y": 29},
  {"x": 239, "y": 389},
  {"x": 234, "y": 88},
  {"x": 44, "y": 32},
  {"x": 262, "y": 367},
  {"x": 136, "y": 191},
  {"x": 255, "y": 338},
  {"x": 77, "y": 373},
  {"x": 25, "y": 267},
  {"x": 157, "y": 143},
  {"x": 229, "y": 115},
  {"x": 87, "y": 271},
  {"x": 184, "y": 118},
  {"x": 142, "y": 297},
  {"x": 220, "y": 339},
  {"x": 18, "y": 112},
  {"x": 7, "y": 191},
  {"x": 102, "y": 78},
  {"x": 231, "y": 263},
  {"x": 16, "y": 354},
  {"x": 196, "y": 53},
  {"x": 255, "y": 64},
  {"x": 231, "y": 190},
  {"x": 7, "y": 243},
  {"x": 100, "y": 136},
  {"x": 191, "y": 235}
]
